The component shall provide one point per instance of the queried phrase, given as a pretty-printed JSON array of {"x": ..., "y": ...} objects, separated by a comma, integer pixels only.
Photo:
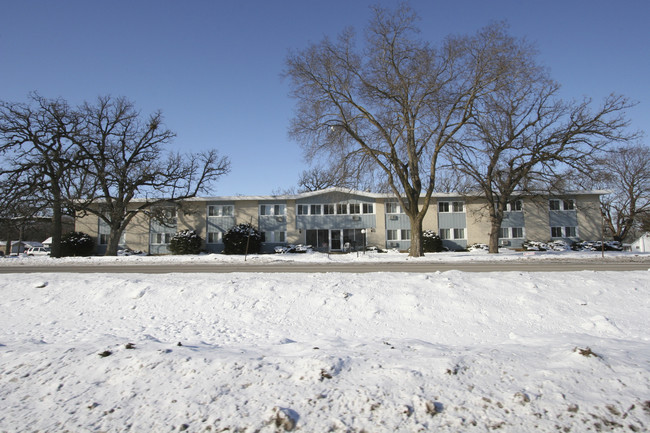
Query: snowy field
[{"x": 378, "y": 352}]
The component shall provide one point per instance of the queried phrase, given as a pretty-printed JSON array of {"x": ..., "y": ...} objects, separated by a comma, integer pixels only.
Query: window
[
  {"x": 342, "y": 208},
  {"x": 569, "y": 232},
  {"x": 317, "y": 238},
  {"x": 303, "y": 209},
  {"x": 391, "y": 235},
  {"x": 103, "y": 239},
  {"x": 450, "y": 233},
  {"x": 161, "y": 238},
  {"x": 514, "y": 206},
  {"x": 272, "y": 209},
  {"x": 392, "y": 207},
  {"x": 355, "y": 208},
  {"x": 405, "y": 235},
  {"x": 556, "y": 232},
  {"x": 276, "y": 237},
  {"x": 511, "y": 232},
  {"x": 562, "y": 204},
  {"x": 315, "y": 209},
  {"x": 214, "y": 237},
  {"x": 368, "y": 208},
  {"x": 220, "y": 210},
  {"x": 328, "y": 209},
  {"x": 453, "y": 206}
]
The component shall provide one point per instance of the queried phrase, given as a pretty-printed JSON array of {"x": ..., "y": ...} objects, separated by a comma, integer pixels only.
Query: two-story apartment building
[{"x": 336, "y": 219}]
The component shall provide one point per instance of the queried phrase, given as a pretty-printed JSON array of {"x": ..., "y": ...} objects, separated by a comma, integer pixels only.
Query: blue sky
[{"x": 214, "y": 67}]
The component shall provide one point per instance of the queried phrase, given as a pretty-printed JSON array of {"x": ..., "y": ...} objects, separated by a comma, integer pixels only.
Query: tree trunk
[
  {"x": 113, "y": 241},
  {"x": 493, "y": 242},
  {"x": 416, "y": 237},
  {"x": 57, "y": 228}
]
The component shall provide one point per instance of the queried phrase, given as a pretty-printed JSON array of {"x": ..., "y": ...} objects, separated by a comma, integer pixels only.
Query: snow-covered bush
[
  {"x": 478, "y": 247},
  {"x": 535, "y": 246},
  {"x": 238, "y": 237},
  {"x": 597, "y": 246},
  {"x": 77, "y": 244},
  {"x": 556, "y": 245},
  {"x": 185, "y": 242},
  {"x": 559, "y": 245},
  {"x": 431, "y": 242},
  {"x": 293, "y": 249}
]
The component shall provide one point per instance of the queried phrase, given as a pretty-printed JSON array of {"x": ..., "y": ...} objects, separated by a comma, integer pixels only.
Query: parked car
[{"x": 38, "y": 251}]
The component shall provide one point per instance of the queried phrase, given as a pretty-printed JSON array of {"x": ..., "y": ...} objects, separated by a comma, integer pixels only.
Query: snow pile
[
  {"x": 314, "y": 257},
  {"x": 378, "y": 352}
]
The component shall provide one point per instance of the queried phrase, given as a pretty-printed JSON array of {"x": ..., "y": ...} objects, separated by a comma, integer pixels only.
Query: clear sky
[{"x": 214, "y": 67}]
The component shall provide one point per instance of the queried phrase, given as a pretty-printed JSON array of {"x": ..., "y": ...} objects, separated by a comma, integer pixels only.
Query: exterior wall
[
  {"x": 536, "y": 217},
  {"x": 137, "y": 233},
  {"x": 247, "y": 211},
  {"x": 430, "y": 221},
  {"x": 478, "y": 222},
  {"x": 377, "y": 235},
  {"x": 217, "y": 225},
  {"x": 293, "y": 235},
  {"x": 89, "y": 224},
  {"x": 453, "y": 220},
  {"x": 589, "y": 217},
  {"x": 191, "y": 216}
]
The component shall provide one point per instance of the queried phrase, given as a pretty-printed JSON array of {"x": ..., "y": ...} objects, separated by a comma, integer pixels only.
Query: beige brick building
[{"x": 337, "y": 219}]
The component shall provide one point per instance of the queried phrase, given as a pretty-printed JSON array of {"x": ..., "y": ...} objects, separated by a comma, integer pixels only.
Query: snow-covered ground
[
  {"x": 378, "y": 352},
  {"x": 315, "y": 258}
]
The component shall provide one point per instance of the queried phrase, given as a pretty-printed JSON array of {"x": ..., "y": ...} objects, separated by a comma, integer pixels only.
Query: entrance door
[{"x": 335, "y": 239}]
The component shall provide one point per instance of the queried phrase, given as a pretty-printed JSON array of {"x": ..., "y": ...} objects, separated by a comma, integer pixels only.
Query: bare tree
[
  {"x": 397, "y": 101},
  {"x": 521, "y": 134},
  {"x": 626, "y": 172},
  {"x": 127, "y": 159},
  {"x": 40, "y": 158}
]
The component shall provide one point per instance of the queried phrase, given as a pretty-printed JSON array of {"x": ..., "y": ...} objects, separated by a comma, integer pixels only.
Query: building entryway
[{"x": 336, "y": 239}]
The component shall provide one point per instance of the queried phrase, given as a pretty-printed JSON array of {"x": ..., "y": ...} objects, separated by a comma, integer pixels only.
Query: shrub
[
  {"x": 77, "y": 244},
  {"x": 185, "y": 242},
  {"x": 431, "y": 242},
  {"x": 239, "y": 236}
]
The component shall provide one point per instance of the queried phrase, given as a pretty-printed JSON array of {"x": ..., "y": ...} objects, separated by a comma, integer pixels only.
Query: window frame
[{"x": 451, "y": 206}]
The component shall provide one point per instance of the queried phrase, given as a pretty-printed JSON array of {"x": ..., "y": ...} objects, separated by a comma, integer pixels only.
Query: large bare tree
[
  {"x": 523, "y": 133},
  {"x": 626, "y": 172},
  {"x": 396, "y": 101},
  {"x": 40, "y": 161},
  {"x": 127, "y": 159}
]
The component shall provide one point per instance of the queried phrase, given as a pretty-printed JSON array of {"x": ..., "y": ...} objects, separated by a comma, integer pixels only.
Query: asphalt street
[{"x": 505, "y": 266}]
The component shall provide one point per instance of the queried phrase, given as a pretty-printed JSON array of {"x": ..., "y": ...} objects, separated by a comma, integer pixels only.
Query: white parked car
[{"x": 38, "y": 251}]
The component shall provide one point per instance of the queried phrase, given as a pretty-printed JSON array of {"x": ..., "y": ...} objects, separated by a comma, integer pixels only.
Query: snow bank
[
  {"x": 391, "y": 256},
  {"x": 377, "y": 352}
]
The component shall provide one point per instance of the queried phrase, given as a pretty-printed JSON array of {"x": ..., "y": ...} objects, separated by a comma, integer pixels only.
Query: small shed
[{"x": 641, "y": 245}]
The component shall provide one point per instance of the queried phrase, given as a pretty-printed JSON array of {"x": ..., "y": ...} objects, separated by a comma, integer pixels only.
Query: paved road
[{"x": 531, "y": 266}]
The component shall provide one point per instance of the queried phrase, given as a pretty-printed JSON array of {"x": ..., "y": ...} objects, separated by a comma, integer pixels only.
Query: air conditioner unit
[
  {"x": 393, "y": 217},
  {"x": 279, "y": 219},
  {"x": 356, "y": 218},
  {"x": 504, "y": 243}
]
